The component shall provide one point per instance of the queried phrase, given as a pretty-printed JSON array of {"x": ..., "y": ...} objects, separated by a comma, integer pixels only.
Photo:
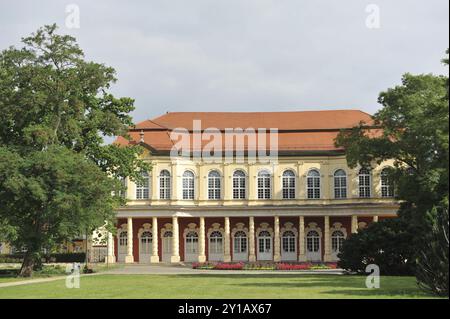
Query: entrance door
[
  {"x": 215, "y": 248},
  {"x": 167, "y": 246},
  {"x": 122, "y": 247},
  {"x": 240, "y": 252},
  {"x": 337, "y": 240},
  {"x": 264, "y": 246},
  {"x": 288, "y": 246},
  {"x": 145, "y": 247},
  {"x": 191, "y": 247},
  {"x": 313, "y": 247}
]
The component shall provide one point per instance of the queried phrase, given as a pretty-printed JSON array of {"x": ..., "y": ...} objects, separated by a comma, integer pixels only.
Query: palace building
[{"x": 299, "y": 206}]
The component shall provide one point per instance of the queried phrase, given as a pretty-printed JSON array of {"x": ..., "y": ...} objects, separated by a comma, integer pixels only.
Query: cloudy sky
[{"x": 247, "y": 55}]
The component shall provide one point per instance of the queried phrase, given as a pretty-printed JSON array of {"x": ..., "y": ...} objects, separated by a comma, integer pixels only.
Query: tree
[
  {"x": 412, "y": 129},
  {"x": 57, "y": 177},
  {"x": 432, "y": 266},
  {"x": 386, "y": 244}
]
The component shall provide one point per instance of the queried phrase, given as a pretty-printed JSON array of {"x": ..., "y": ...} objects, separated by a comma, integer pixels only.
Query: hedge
[{"x": 50, "y": 258}]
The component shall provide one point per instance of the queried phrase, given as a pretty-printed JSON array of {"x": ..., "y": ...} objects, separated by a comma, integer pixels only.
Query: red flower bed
[
  {"x": 229, "y": 266},
  {"x": 269, "y": 266},
  {"x": 284, "y": 266}
]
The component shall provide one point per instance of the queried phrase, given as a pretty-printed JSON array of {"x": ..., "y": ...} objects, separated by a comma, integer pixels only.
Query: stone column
[
  {"x": 354, "y": 224},
  {"x": 201, "y": 241},
  {"x": 111, "y": 258},
  {"x": 276, "y": 239},
  {"x": 326, "y": 240},
  {"x": 252, "y": 255},
  {"x": 155, "y": 255},
  {"x": 175, "y": 258},
  {"x": 227, "y": 254},
  {"x": 129, "y": 258},
  {"x": 375, "y": 218},
  {"x": 301, "y": 240}
]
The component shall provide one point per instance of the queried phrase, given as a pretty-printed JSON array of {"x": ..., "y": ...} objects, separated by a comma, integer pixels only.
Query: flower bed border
[{"x": 275, "y": 266}]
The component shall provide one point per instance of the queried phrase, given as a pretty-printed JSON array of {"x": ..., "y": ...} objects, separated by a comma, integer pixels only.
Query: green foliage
[
  {"x": 432, "y": 266},
  {"x": 386, "y": 244},
  {"x": 57, "y": 177},
  {"x": 412, "y": 128}
]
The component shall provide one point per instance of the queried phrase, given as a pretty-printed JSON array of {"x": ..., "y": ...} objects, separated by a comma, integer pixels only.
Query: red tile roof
[{"x": 297, "y": 131}]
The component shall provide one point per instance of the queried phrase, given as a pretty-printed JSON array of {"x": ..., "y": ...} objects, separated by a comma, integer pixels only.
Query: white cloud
[{"x": 247, "y": 54}]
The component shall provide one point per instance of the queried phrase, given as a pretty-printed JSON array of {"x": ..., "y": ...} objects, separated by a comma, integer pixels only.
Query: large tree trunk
[{"x": 30, "y": 260}]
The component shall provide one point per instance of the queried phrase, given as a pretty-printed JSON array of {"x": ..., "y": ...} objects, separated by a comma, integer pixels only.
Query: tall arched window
[
  {"x": 216, "y": 242},
  {"x": 313, "y": 184},
  {"x": 313, "y": 241},
  {"x": 143, "y": 187},
  {"x": 288, "y": 182},
  {"x": 191, "y": 242},
  {"x": 123, "y": 238},
  {"x": 364, "y": 182},
  {"x": 239, "y": 187},
  {"x": 288, "y": 241},
  {"x": 214, "y": 189},
  {"x": 337, "y": 239},
  {"x": 164, "y": 184},
  {"x": 146, "y": 242},
  {"x": 240, "y": 242},
  {"x": 340, "y": 184},
  {"x": 188, "y": 185},
  {"x": 387, "y": 187},
  {"x": 264, "y": 185}
]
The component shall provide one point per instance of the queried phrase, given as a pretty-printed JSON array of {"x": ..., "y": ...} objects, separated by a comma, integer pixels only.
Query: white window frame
[
  {"x": 165, "y": 185},
  {"x": 264, "y": 192},
  {"x": 386, "y": 187},
  {"x": 313, "y": 188},
  {"x": 365, "y": 190},
  {"x": 239, "y": 192},
  {"x": 214, "y": 187},
  {"x": 288, "y": 191},
  {"x": 143, "y": 188},
  {"x": 188, "y": 192},
  {"x": 339, "y": 189}
]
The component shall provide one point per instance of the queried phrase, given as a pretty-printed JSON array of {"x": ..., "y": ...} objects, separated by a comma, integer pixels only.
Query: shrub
[
  {"x": 50, "y": 258},
  {"x": 65, "y": 258},
  {"x": 386, "y": 244}
]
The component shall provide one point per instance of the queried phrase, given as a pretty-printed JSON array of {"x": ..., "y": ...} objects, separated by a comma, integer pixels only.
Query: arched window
[
  {"x": 164, "y": 184},
  {"x": 364, "y": 182},
  {"x": 146, "y": 242},
  {"x": 167, "y": 242},
  {"x": 191, "y": 242},
  {"x": 264, "y": 185},
  {"x": 340, "y": 184},
  {"x": 143, "y": 187},
  {"x": 188, "y": 185},
  {"x": 288, "y": 182},
  {"x": 240, "y": 242},
  {"x": 313, "y": 241},
  {"x": 387, "y": 187},
  {"x": 288, "y": 241},
  {"x": 337, "y": 239},
  {"x": 214, "y": 185},
  {"x": 123, "y": 238},
  {"x": 215, "y": 242},
  {"x": 313, "y": 184},
  {"x": 239, "y": 187}
]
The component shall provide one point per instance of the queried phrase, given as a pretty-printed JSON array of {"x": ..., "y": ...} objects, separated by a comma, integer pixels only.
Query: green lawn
[{"x": 219, "y": 286}]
